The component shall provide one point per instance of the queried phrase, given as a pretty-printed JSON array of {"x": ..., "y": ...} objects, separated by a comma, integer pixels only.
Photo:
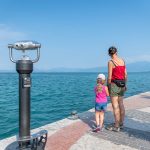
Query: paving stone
[
  {"x": 143, "y": 148},
  {"x": 139, "y": 115},
  {"x": 131, "y": 137},
  {"x": 90, "y": 142},
  {"x": 77, "y": 135}
]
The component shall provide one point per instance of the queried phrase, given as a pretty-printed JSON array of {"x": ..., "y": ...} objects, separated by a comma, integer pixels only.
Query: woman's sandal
[
  {"x": 112, "y": 127},
  {"x": 121, "y": 126}
]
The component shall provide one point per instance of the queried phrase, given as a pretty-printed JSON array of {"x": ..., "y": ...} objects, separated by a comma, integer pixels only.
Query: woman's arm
[
  {"x": 110, "y": 66},
  {"x": 125, "y": 74},
  {"x": 126, "y": 79},
  {"x": 107, "y": 92}
]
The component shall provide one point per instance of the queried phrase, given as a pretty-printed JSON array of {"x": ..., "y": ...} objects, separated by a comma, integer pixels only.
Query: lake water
[{"x": 54, "y": 96}]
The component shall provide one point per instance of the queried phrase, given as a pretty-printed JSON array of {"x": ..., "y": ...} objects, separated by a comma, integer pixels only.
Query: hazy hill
[
  {"x": 133, "y": 67},
  {"x": 138, "y": 67}
]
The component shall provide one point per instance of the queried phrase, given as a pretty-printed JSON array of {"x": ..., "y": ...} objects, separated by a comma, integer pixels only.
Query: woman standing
[{"x": 117, "y": 77}]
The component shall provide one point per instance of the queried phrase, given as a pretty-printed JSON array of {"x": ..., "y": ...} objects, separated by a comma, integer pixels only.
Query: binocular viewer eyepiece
[{"x": 24, "y": 46}]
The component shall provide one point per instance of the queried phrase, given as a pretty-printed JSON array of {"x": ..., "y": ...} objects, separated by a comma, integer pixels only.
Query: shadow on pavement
[{"x": 12, "y": 146}]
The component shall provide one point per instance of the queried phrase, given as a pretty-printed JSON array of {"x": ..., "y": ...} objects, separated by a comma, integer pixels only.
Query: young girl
[{"x": 101, "y": 93}]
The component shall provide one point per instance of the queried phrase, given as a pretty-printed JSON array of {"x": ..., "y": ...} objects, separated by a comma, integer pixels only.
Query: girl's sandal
[{"x": 96, "y": 129}]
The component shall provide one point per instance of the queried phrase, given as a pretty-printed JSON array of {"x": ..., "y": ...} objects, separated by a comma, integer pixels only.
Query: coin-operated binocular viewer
[{"x": 24, "y": 67}]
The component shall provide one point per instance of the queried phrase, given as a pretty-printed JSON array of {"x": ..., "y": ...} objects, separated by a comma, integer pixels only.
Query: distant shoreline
[{"x": 1, "y": 72}]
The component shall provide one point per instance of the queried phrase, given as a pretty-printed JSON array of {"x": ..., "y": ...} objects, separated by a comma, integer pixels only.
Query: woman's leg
[
  {"x": 122, "y": 109},
  {"x": 116, "y": 110},
  {"x": 101, "y": 118}
]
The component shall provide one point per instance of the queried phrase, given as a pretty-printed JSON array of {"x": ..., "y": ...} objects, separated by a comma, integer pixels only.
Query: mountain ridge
[{"x": 142, "y": 66}]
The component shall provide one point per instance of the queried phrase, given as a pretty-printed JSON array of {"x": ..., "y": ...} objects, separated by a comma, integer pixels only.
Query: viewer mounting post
[{"x": 24, "y": 66}]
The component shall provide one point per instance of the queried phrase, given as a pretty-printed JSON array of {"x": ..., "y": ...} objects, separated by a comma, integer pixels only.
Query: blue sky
[{"x": 76, "y": 33}]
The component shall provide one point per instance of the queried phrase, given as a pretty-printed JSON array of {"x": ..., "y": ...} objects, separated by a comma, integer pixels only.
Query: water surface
[{"x": 54, "y": 96}]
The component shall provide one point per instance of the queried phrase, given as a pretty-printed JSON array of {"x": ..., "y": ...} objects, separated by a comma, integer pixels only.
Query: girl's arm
[
  {"x": 106, "y": 89},
  {"x": 95, "y": 90}
]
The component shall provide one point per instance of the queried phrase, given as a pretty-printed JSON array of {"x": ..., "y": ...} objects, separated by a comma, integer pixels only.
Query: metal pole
[{"x": 24, "y": 68}]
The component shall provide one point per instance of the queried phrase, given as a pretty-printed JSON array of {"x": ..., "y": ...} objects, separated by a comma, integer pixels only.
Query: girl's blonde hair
[{"x": 101, "y": 81}]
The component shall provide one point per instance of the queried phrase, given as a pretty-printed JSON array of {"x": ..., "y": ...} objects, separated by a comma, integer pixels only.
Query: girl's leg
[
  {"x": 122, "y": 110},
  {"x": 97, "y": 129},
  {"x": 97, "y": 118},
  {"x": 116, "y": 110},
  {"x": 101, "y": 118}
]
